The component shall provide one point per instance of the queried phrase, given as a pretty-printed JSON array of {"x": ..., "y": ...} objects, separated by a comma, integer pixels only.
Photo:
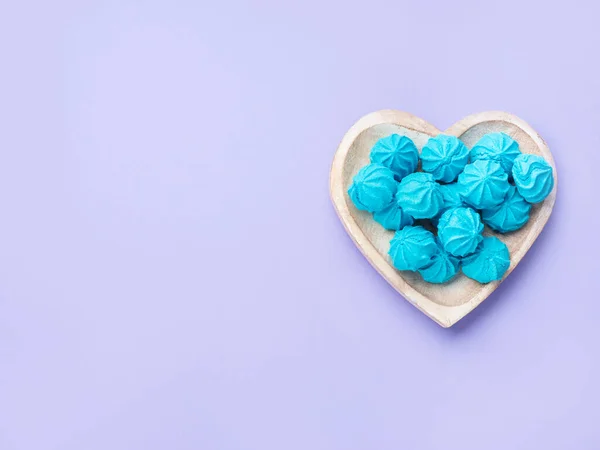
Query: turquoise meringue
[
  {"x": 483, "y": 184},
  {"x": 412, "y": 248},
  {"x": 397, "y": 153},
  {"x": 452, "y": 199},
  {"x": 533, "y": 177},
  {"x": 393, "y": 217},
  {"x": 459, "y": 230},
  {"x": 373, "y": 188},
  {"x": 444, "y": 157},
  {"x": 498, "y": 147},
  {"x": 510, "y": 215},
  {"x": 490, "y": 262},
  {"x": 441, "y": 268},
  {"x": 419, "y": 195}
]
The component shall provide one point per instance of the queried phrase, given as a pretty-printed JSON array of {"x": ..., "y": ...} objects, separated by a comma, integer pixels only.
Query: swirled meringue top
[
  {"x": 498, "y": 147},
  {"x": 510, "y": 215},
  {"x": 411, "y": 248},
  {"x": 419, "y": 195},
  {"x": 444, "y": 157},
  {"x": 490, "y": 262},
  {"x": 483, "y": 184},
  {"x": 441, "y": 268},
  {"x": 373, "y": 188},
  {"x": 452, "y": 199},
  {"x": 533, "y": 177},
  {"x": 397, "y": 153},
  {"x": 393, "y": 217},
  {"x": 459, "y": 230}
]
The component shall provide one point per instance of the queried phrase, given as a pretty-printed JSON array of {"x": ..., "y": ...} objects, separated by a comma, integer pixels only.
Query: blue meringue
[
  {"x": 533, "y": 177},
  {"x": 411, "y": 248},
  {"x": 490, "y": 262},
  {"x": 452, "y": 199},
  {"x": 498, "y": 147},
  {"x": 419, "y": 195},
  {"x": 373, "y": 188},
  {"x": 459, "y": 230},
  {"x": 444, "y": 157},
  {"x": 483, "y": 184},
  {"x": 393, "y": 217},
  {"x": 441, "y": 268},
  {"x": 510, "y": 215},
  {"x": 397, "y": 153}
]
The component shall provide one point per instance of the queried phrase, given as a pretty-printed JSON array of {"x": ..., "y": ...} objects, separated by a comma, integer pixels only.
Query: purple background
[{"x": 173, "y": 275}]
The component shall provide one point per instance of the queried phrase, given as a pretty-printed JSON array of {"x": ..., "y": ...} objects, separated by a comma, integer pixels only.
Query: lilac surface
[{"x": 172, "y": 274}]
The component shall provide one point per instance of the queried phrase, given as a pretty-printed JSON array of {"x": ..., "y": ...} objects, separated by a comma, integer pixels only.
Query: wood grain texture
[{"x": 450, "y": 302}]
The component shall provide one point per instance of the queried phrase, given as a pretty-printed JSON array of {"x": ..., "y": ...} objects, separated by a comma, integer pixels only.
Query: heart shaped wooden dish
[{"x": 444, "y": 303}]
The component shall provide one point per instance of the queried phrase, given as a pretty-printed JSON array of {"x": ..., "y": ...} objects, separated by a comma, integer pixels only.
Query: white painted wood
[{"x": 450, "y": 302}]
